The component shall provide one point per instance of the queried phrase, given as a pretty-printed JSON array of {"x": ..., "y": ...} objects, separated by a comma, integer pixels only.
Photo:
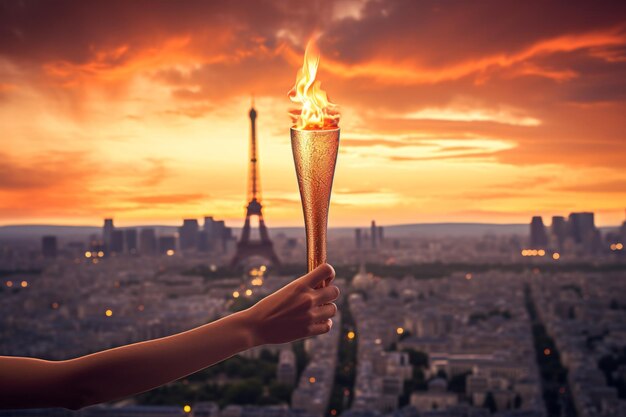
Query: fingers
[
  {"x": 326, "y": 294},
  {"x": 323, "y": 313},
  {"x": 322, "y": 273},
  {"x": 320, "y": 328}
]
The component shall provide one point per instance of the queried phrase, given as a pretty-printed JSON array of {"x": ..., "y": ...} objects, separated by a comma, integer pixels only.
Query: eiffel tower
[{"x": 264, "y": 247}]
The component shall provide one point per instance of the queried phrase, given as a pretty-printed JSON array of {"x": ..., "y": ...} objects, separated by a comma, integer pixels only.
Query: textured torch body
[{"x": 315, "y": 156}]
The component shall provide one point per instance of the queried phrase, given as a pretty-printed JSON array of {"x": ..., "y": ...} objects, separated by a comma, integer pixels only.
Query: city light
[
  {"x": 616, "y": 246},
  {"x": 263, "y": 268},
  {"x": 533, "y": 252},
  {"x": 235, "y": 294},
  {"x": 556, "y": 256},
  {"x": 248, "y": 292},
  {"x": 140, "y": 307},
  {"x": 108, "y": 313},
  {"x": 333, "y": 412},
  {"x": 24, "y": 284},
  {"x": 170, "y": 252},
  {"x": 187, "y": 408},
  {"x": 546, "y": 352},
  {"x": 257, "y": 282},
  {"x": 55, "y": 305},
  {"x": 468, "y": 276},
  {"x": 87, "y": 254},
  {"x": 351, "y": 335},
  {"x": 100, "y": 254},
  {"x": 9, "y": 284},
  {"x": 312, "y": 380},
  {"x": 399, "y": 330}
]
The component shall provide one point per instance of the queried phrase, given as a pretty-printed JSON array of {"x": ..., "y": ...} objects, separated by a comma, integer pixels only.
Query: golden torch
[{"x": 314, "y": 142}]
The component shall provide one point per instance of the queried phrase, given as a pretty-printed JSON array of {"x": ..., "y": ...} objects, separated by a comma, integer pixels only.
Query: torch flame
[{"x": 316, "y": 112}]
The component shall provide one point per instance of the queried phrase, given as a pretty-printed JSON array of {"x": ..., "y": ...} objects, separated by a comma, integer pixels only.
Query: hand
[{"x": 297, "y": 310}]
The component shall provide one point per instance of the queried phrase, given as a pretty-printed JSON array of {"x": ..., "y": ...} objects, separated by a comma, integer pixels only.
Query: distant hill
[
  {"x": 401, "y": 230},
  {"x": 423, "y": 229},
  {"x": 31, "y": 232}
]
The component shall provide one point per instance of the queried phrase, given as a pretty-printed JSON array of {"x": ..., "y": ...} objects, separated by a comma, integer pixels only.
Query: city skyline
[{"x": 148, "y": 123}]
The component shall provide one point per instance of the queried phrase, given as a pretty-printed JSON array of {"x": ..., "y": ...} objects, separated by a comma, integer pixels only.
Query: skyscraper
[
  {"x": 188, "y": 234},
  {"x": 374, "y": 234},
  {"x": 558, "y": 229},
  {"x": 49, "y": 246},
  {"x": 166, "y": 244},
  {"x": 357, "y": 238},
  {"x": 117, "y": 242},
  {"x": 206, "y": 239},
  {"x": 130, "y": 241},
  {"x": 582, "y": 227},
  {"x": 147, "y": 242},
  {"x": 538, "y": 236},
  {"x": 107, "y": 231},
  {"x": 208, "y": 227}
]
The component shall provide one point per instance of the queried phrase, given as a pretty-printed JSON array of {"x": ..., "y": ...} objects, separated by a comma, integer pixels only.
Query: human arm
[{"x": 295, "y": 311}]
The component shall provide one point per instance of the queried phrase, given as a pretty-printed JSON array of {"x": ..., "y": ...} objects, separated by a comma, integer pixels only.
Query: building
[
  {"x": 582, "y": 229},
  {"x": 558, "y": 230},
  {"x": 130, "y": 241},
  {"x": 436, "y": 398},
  {"x": 538, "y": 236},
  {"x": 49, "y": 246},
  {"x": 167, "y": 244},
  {"x": 147, "y": 242},
  {"x": 358, "y": 238},
  {"x": 116, "y": 245},
  {"x": 107, "y": 231},
  {"x": 374, "y": 234},
  {"x": 286, "y": 370},
  {"x": 188, "y": 234},
  {"x": 206, "y": 238}
]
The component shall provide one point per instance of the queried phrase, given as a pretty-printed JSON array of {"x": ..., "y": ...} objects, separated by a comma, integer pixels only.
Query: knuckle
[
  {"x": 326, "y": 269},
  {"x": 309, "y": 300},
  {"x": 333, "y": 309},
  {"x": 310, "y": 316}
]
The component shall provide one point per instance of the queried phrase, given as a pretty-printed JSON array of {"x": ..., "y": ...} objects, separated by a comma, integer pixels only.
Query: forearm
[{"x": 128, "y": 370}]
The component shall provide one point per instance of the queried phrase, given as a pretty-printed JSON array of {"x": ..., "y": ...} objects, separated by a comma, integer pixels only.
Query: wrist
[{"x": 248, "y": 327}]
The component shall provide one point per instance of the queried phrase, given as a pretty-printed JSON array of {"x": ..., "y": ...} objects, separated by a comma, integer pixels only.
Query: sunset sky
[{"x": 452, "y": 111}]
